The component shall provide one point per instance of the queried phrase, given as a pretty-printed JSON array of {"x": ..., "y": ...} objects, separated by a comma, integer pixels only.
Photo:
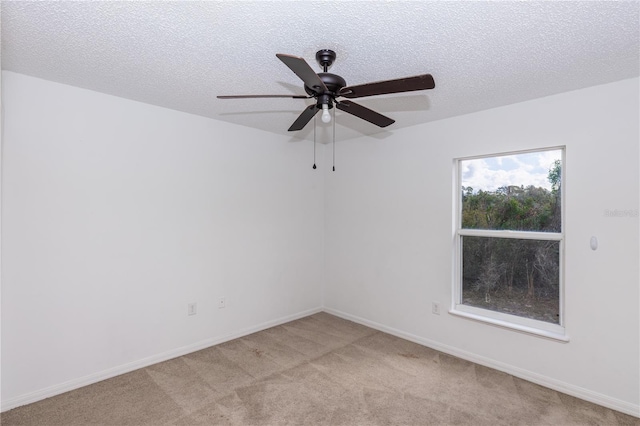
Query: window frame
[{"x": 508, "y": 321}]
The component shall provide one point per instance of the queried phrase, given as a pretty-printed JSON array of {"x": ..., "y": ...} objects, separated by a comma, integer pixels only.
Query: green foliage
[{"x": 512, "y": 208}]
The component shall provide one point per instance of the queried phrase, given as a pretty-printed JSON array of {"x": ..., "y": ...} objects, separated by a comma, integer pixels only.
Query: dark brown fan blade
[
  {"x": 262, "y": 96},
  {"x": 304, "y": 118},
  {"x": 364, "y": 113},
  {"x": 407, "y": 84},
  {"x": 304, "y": 71}
]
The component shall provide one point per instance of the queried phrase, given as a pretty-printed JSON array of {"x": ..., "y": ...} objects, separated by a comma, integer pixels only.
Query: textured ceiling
[{"x": 180, "y": 55}]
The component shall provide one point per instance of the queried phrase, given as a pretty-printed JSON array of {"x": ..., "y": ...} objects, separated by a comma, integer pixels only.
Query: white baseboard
[
  {"x": 567, "y": 388},
  {"x": 145, "y": 362}
]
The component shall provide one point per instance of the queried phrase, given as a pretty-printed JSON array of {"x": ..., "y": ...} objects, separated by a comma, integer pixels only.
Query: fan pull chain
[
  {"x": 314, "y": 142},
  {"x": 334, "y": 139}
]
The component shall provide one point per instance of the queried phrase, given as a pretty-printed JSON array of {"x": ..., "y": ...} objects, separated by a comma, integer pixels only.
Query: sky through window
[{"x": 489, "y": 174}]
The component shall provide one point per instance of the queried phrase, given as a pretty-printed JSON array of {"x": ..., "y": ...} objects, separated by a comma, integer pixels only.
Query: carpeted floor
[{"x": 319, "y": 370}]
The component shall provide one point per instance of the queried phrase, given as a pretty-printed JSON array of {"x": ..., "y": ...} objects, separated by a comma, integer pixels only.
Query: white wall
[
  {"x": 389, "y": 233},
  {"x": 116, "y": 214}
]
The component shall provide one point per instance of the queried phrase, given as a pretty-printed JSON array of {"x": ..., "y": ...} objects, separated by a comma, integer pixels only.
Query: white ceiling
[{"x": 180, "y": 55}]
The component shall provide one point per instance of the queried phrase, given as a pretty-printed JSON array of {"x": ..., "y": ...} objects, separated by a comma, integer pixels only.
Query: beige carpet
[{"x": 319, "y": 370}]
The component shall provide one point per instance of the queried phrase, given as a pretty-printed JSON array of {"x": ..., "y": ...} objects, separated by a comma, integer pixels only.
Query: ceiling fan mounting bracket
[{"x": 325, "y": 58}]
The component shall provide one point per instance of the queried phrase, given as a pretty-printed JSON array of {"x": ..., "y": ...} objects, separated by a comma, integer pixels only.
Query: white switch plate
[{"x": 222, "y": 303}]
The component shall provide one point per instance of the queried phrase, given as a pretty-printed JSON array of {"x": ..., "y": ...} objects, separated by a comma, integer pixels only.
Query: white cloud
[
  {"x": 546, "y": 158},
  {"x": 492, "y": 173}
]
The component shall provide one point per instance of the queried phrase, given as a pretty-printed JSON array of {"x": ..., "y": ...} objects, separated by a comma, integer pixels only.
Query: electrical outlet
[
  {"x": 222, "y": 303},
  {"x": 435, "y": 308},
  {"x": 192, "y": 308}
]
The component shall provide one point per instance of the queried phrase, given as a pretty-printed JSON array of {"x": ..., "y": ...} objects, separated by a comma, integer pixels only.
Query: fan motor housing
[{"x": 333, "y": 82}]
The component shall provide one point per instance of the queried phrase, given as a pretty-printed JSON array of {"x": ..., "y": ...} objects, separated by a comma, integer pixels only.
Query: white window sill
[{"x": 561, "y": 337}]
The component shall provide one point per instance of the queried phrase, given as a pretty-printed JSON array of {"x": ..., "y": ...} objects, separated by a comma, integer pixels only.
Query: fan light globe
[{"x": 326, "y": 117}]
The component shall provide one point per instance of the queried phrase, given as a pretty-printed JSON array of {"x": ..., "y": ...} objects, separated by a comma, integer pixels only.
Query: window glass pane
[
  {"x": 513, "y": 276},
  {"x": 519, "y": 192}
]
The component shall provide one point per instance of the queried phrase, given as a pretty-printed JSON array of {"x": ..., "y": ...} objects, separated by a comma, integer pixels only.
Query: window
[{"x": 509, "y": 241}]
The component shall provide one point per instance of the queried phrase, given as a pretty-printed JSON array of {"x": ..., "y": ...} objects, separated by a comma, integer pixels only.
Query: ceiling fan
[{"x": 326, "y": 88}]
